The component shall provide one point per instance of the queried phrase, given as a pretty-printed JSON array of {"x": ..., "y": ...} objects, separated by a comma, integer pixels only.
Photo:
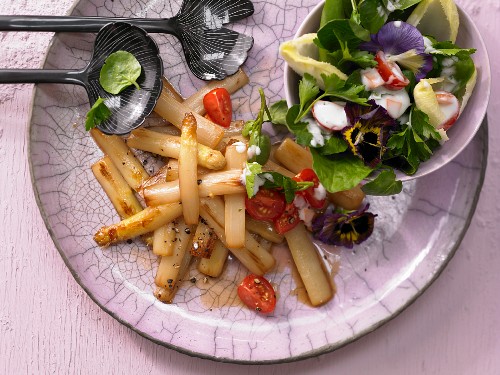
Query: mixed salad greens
[{"x": 376, "y": 95}]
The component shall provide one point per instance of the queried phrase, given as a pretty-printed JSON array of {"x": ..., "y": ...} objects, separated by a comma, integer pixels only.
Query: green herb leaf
[
  {"x": 298, "y": 128},
  {"x": 275, "y": 180},
  {"x": 262, "y": 143},
  {"x": 97, "y": 114},
  {"x": 456, "y": 60},
  {"x": 400, "y": 5},
  {"x": 339, "y": 172},
  {"x": 278, "y": 112},
  {"x": 414, "y": 143},
  {"x": 373, "y": 14},
  {"x": 384, "y": 184},
  {"x": 253, "y": 129},
  {"x": 120, "y": 70},
  {"x": 252, "y": 170},
  {"x": 333, "y": 145}
]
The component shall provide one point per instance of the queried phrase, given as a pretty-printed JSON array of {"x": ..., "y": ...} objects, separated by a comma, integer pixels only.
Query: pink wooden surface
[{"x": 49, "y": 325}]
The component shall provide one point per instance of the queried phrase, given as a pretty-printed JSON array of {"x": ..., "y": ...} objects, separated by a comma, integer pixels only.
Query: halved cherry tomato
[
  {"x": 218, "y": 105},
  {"x": 390, "y": 73},
  {"x": 266, "y": 205},
  {"x": 288, "y": 219},
  {"x": 257, "y": 293},
  {"x": 309, "y": 175}
]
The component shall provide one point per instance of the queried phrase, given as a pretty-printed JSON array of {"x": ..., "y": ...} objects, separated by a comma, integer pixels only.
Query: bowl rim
[{"x": 484, "y": 74}]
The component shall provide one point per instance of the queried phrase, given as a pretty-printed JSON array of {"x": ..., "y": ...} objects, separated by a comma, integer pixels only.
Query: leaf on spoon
[
  {"x": 97, "y": 114},
  {"x": 120, "y": 70}
]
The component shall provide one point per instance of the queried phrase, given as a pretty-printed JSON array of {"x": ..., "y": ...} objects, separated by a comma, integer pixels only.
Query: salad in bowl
[{"x": 377, "y": 89}]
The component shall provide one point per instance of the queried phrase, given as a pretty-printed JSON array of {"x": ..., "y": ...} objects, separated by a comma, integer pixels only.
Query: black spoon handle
[
  {"x": 80, "y": 24},
  {"x": 42, "y": 76}
]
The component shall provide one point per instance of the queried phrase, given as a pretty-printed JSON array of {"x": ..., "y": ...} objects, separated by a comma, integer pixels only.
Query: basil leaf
[
  {"x": 340, "y": 172},
  {"x": 384, "y": 184},
  {"x": 373, "y": 14},
  {"x": 278, "y": 112},
  {"x": 120, "y": 70},
  {"x": 97, "y": 114}
]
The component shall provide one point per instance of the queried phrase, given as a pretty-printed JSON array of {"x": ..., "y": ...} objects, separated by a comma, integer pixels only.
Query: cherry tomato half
[
  {"x": 390, "y": 73},
  {"x": 218, "y": 105},
  {"x": 309, "y": 195},
  {"x": 257, "y": 293},
  {"x": 288, "y": 219},
  {"x": 265, "y": 205}
]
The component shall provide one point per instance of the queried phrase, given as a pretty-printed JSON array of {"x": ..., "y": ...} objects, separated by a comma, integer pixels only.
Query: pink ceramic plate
[{"x": 416, "y": 232}]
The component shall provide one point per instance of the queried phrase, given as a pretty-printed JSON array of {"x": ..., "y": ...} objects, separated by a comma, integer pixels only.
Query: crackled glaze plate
[{"x": 417, "y": 232}]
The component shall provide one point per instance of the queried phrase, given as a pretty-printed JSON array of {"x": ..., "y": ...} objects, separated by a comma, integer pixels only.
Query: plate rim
[{"x": 484, "y": 128}]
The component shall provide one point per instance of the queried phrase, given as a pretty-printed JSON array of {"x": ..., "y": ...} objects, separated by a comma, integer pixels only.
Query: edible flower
[
  {"x": 401, "y": 43},
  {"x": 369, "y": 131},
  {"x": 344, "y": 229}
]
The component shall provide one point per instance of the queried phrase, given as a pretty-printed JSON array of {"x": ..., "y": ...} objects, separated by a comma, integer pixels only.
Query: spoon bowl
[{"x": 130, "y": 107}]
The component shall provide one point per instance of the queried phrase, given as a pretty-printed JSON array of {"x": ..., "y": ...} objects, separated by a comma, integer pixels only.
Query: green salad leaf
[
  {"x": 120, "y": 70},
  {"x": 340, "y": 171},
  {"x": 413, "y": 144},
  {"x": 384, "y": 184},
  {"x": 97, "y": 114}
]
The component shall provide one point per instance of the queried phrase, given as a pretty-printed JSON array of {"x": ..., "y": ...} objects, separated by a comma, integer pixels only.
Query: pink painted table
[{"x": 48, "y": 324}]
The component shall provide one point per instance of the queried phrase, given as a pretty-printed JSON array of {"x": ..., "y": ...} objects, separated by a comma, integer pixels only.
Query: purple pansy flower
[
  {"x": 344, "y": 229},
  {"x": 401, "y": 43},
  {"x": 368, "y": 132}
]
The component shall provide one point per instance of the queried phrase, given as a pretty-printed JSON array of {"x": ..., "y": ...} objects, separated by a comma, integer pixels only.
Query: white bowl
[{"x": 469, "y": 121}]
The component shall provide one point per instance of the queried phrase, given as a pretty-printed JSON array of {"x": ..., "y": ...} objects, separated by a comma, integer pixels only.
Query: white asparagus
[
  {"x": 271, "y": 166},
  {"x": 122, "y": 157},
  {"x": 116, "y": 188},
  {"x": 203, "y": 241},
  {"x": 235, "y": 203},
  {"x": 173, "y": 267},
  {"x": 173, "y": 170},
  {"x": 169, "y": 146},
  {"x": 253, "y": 256},
  {"x": 188, "y": 171},
  {"x": 293, "y": 156},
  {"x": 148, "y": 220},
  {"x": 164, "y": 239},
  {"x": 231, "y": 83},
  {"x": 211, "y": 184},
  {"x": 264, "y": 229},
  {"x": 168, "y": 89},
  {"x": 208, "y": 133},
  {"x": 214, "y": 265},
  {"x": 309, "y": 265}
]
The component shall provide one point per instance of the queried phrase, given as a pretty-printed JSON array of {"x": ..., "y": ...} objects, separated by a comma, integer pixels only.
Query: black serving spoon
[
  {"x": 130, "y": 107},
  {"x": 212, "y": 51}
]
